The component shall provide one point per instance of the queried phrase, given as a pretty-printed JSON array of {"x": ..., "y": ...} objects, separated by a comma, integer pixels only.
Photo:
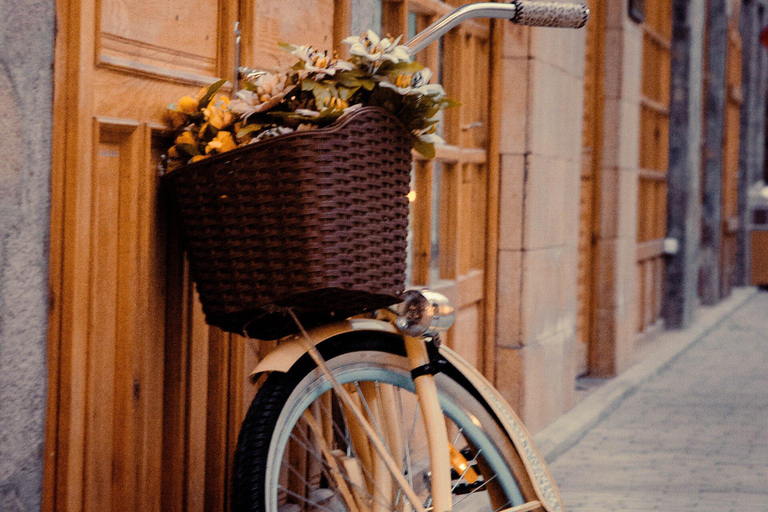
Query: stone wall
[
  {"x": 26, "y": 58},
  {"x": 617, "y": 234},
  {"x": 542, "y": 105},
  {"x": 681, "y": 298}
]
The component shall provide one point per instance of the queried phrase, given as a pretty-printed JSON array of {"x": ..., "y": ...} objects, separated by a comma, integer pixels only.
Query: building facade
[{"x": 591, "y": 191}]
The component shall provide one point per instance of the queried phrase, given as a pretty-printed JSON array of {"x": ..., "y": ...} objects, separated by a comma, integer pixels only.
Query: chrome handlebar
[{"x": 522, "y": 12}]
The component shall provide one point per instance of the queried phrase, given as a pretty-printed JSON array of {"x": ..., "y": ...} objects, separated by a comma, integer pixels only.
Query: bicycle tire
[{"x": 360, "y": 357}]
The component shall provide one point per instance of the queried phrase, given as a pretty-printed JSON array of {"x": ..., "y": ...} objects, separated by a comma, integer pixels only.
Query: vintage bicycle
[{"x": 373, "y": 414}]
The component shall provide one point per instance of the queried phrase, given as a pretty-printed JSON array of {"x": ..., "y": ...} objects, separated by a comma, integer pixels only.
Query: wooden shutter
[
  {"x": 448, "y": 214},
  {"x": 654, "y": 158}
]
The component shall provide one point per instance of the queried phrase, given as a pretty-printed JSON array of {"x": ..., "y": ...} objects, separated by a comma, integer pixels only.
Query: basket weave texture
[{"x": 315, "y": 221}]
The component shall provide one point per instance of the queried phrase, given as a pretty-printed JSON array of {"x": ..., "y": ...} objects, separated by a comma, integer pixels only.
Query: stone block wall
[
  {"x": 542, "y": 104},
  {"x": 616, "y": 299},
  {"x": 26, "y": 59}
]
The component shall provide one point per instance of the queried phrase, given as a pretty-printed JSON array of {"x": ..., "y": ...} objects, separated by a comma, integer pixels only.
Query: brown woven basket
[{"x": 314, "y": 221}]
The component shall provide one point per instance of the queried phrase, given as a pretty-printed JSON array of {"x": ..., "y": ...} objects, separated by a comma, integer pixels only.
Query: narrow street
[{"x": 694, "y": 438}]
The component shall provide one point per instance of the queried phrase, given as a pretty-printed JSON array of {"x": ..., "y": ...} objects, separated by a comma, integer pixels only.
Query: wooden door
[
  {"x": 591, "y": 161},
  {"x": 449, "y": 211},
  {"x": 731, "y": 135},
  {"x": 145, "y": 399},
  {"x": 654, "y": 158}
]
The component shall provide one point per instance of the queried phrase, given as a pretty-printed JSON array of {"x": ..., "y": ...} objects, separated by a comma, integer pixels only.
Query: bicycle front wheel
[{"x": 299, "y": 450}]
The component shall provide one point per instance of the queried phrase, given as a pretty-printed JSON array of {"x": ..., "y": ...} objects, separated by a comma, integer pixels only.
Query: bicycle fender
[
  {"x": 291, "y": 349},
  {"x": 543, "y": 484}
]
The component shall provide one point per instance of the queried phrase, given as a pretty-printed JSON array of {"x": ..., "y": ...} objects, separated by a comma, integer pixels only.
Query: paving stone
[{"x": 694, "y": 438}]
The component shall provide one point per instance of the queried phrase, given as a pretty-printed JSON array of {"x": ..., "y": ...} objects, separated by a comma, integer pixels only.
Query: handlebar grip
[{"x": 550, "y": 14}]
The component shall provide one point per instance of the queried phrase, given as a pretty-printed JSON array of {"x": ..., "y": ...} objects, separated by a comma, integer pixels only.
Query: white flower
[
  {"x": 417, "y": 84},
  {"x": 272, "y": 132},
  {"x": 319, "y": 62},
  {"x": 270, "y": 90},
  {"x": 373, "y": 49}
]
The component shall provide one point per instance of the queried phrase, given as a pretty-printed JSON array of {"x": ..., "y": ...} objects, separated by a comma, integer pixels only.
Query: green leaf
[
  {"x": 450, "y": 103},
  {"x": 401, "y": 68},
  {"x": 426, "y": 149},
  {"x": 203, "y": 103},
  {"x": 347, "y": 80},
  {"x": 249, "y": 128},
  {"x": 345, "y": 92},
  {"x": 308, "y": 84},
  {"x": 189, "y": 149},
  {"x": 328, "y": 115},
  {"x": 322, "y": 91}
]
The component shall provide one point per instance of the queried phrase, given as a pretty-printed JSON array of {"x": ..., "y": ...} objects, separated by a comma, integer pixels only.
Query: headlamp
[{"x": 424, "y": 313}]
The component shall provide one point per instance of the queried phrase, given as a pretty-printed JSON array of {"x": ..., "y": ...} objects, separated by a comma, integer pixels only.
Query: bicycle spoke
[
  {"x": 350, "y": 445},
  {"x": 372, "y": 416},
  {"x": 474, "y": 491},
  {"x": 458, "y": 436},
  {"x": 334, "y": 471},
  {"x": 302, "y": 498},
  {"x": 408, "y": 468},
  {"x": 506, "y": 505},
  {"x": 326, "y": 468}
]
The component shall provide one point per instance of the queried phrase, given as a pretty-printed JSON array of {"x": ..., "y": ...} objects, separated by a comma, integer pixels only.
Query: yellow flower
[
  {"x": 188, "y": 104},
  {"x": 221, "y": 143},
  {"x": 197, "y": 158},
  {"x": 403, "y": 80},
  {"x": 217, "y": 113},
  {"x": 336, "y": 103},
  {"x": 215, "y": 118},
  {"x": 186, "y": 138},
  {"x": 173, "y": 152},
  {"x": 177, "y": 119}
]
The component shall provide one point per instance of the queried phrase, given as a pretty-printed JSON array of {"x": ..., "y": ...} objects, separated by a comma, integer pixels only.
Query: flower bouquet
[
  {"x": 314, "y": 93},
  {"x": 293, "y": 194}
]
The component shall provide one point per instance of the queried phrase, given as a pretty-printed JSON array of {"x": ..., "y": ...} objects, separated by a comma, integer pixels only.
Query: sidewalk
[{"x": 692, "y": 438}]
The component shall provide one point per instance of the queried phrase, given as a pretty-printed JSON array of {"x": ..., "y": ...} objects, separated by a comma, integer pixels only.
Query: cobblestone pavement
[{"x": 694, "y": 438}]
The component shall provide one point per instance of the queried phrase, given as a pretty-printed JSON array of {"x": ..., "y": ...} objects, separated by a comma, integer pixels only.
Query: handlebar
[{"x": 522, "y": 12}]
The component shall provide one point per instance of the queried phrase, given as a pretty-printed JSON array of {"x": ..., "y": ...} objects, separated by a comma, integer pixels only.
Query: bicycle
[{"x": 372, "y": 414}]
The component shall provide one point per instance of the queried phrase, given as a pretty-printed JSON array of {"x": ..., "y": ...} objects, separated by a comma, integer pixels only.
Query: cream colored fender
[
  {"x": 543, "y": 484},
  {"x": 290, "y": 350}
]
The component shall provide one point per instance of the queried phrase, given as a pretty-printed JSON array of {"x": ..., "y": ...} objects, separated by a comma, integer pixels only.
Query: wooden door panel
[
  {"x": 266, "y": 23},
  {"x": 177, "y": 34}
]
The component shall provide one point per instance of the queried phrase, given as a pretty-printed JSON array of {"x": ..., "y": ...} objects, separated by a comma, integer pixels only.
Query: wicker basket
[{"x": 314, "y": 221}]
